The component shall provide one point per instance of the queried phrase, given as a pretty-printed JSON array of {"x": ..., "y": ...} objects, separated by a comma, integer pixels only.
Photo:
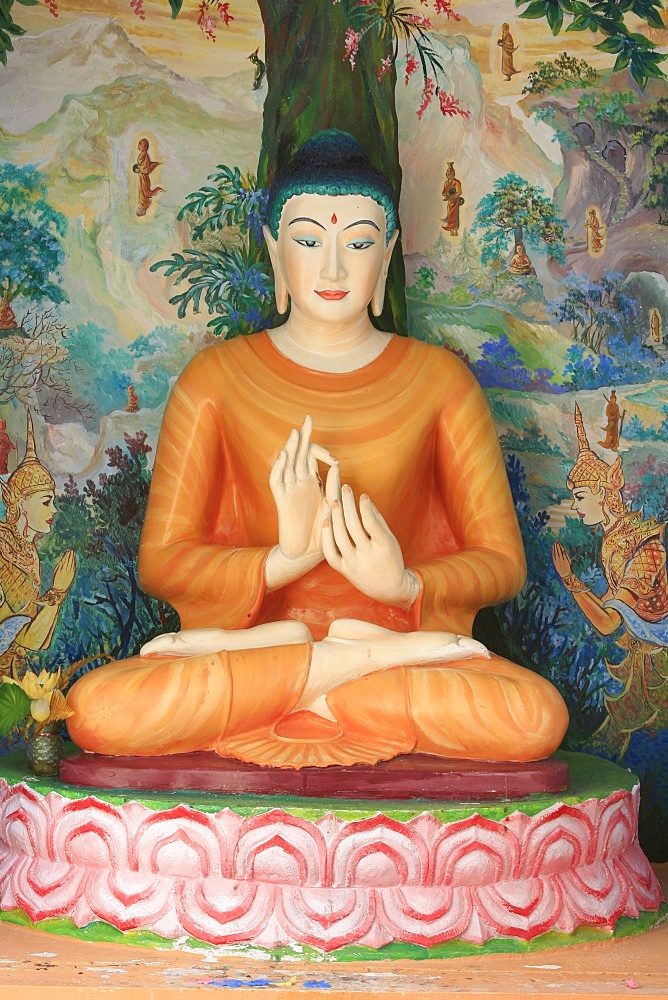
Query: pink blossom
[
  {"x": 352, "y": 45},
  {"x": 450, "y": 106},
  {"x": 138, "y": 7},
  {"x": 445, "y": 7},
  {"x": 420, "y": 20},
  {"x": 223, "y": 10},
  {"x": 427, "y": 94},
  {"x": 53, "y": 7},
  {"x": 411, "y": 67},
  {"x": 385, "y": 68},
  {"x": 205, "y": 21}
]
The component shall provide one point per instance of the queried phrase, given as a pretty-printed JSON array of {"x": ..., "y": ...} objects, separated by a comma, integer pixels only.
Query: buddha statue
[{"x": 329, "y": 509}]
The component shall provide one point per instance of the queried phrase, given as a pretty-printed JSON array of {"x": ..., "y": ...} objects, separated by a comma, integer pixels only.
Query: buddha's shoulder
[
  {"x": 441, "y": 360},
  {"x": 213, "y": 361}
]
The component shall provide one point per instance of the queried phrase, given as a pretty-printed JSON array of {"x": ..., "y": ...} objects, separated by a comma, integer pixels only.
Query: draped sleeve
[
  {"x": 489, "y": 566},
  {"x": 182, "y": 558}
]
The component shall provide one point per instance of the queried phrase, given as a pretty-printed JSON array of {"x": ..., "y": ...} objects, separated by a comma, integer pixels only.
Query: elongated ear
[
  {"x": 280, "y": 288},
  {"x": 378, "y": 297}
]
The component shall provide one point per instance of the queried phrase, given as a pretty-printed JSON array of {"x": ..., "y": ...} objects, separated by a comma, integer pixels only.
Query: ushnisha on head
[
  {"x": 332, "y": 221},
  {"x": 594, "y": 483},
  {"x": 331, "y": 162},
  {"x": 29, "y": 493}
]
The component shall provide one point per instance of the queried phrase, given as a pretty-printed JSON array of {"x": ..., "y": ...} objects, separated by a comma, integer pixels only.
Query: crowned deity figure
[
  {"x": 329, "y": 509},
  {"x": 28, "y": 619},
  {"x": 633, "y": 555}
]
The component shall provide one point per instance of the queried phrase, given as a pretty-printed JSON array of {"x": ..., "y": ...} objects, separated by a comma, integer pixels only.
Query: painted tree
[
  {"x": 654, "y": 133},
  {"x": 31, "y": 253},
  {"x": 345, "y": 53},
  {"x": 616, "y": 21},
  {"x": 514, "y": 213},
  {"x": 595, "y": 310}
]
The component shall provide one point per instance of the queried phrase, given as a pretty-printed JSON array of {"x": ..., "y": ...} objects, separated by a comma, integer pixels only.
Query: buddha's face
[
  {"x": 39, "y": 509},
  {"x": 332, "y": 255},
  {"x": 589, "y": 506}
]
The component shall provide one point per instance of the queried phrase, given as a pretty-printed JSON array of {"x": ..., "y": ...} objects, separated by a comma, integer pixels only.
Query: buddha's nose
[{"x": 332, "y": 265}]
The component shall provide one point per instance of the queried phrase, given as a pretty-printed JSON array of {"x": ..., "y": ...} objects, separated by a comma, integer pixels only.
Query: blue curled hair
[{"x": 331, "y": 162}]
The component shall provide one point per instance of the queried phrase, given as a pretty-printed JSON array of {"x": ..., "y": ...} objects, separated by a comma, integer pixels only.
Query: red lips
[{"x": 332, "y": 295}]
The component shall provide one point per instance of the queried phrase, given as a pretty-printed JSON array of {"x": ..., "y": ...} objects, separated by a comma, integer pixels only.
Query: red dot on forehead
[{"x": 334, "y": 220}]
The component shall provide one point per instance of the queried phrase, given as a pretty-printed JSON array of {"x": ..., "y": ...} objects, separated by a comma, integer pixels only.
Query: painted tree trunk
[{"x": 311, "y": 86}]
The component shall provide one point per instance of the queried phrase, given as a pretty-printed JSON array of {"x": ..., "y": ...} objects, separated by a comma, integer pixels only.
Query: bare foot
[{"x": 197, "y": 641}]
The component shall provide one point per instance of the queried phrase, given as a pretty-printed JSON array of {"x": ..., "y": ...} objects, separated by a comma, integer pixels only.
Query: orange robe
[{"x": 413, "y": 430}]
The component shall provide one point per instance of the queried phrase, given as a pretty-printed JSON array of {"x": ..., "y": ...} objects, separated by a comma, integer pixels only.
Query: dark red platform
[{"x": 411, "y": 776}]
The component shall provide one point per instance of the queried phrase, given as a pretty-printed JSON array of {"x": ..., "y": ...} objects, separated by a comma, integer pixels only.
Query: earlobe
[
  {"x": 378, "y": 297},
  {"x": 280, "y": 287}
]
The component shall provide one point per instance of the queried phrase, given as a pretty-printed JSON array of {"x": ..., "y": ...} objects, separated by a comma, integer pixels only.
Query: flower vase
[{"x": 45, "y": 749}]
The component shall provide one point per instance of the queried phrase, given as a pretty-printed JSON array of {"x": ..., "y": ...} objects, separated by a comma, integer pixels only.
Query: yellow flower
[
  {"x": 41, "y": 689},
  {"x": 40, "y": 709},
  {"x": 40, "y": 685}
]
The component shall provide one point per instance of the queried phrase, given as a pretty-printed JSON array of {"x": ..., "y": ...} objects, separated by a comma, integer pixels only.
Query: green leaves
[
  {"x": 14, "y": 706},
  {"x": 607, "y": 17},
  {"x": 176, "y": 6}
]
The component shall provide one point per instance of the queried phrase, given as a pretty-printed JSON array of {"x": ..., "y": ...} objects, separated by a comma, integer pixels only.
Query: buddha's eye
[
  {"x": 308, "y": 241},
  {"x": 360, "y": 244}
]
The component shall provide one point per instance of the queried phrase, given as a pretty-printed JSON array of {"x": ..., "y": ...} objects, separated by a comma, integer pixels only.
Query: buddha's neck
[{"x": 327, "y": 348}]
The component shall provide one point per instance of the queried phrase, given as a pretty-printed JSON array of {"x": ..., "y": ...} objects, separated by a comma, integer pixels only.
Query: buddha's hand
[
  {"x": 561, "y": 560},
  {"x": 64, "y": 572},
  {"x": 363, "y": 549},
  {"x": 301, "y": 506}
]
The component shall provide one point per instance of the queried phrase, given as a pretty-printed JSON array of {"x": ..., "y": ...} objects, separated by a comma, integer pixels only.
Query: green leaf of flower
[{"x": 14, "y": 706}]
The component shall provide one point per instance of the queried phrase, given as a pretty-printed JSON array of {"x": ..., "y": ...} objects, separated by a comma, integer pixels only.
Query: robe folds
[{"x": 413, "y": 430}]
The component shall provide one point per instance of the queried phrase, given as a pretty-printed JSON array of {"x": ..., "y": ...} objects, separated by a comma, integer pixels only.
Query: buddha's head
[
  {"x": 332, "y": 226},
  {"x": 29, "y": 493},
  {"x": 596, "y": 487}
]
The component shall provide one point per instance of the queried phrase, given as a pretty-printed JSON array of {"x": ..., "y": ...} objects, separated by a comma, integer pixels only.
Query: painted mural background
[{"x": 535, "y": 244}]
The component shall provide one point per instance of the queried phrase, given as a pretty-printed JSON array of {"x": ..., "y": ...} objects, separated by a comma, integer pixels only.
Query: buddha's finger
[
  {"x": 329, "y": 549},
  {"x": 276, "y": 475},
  {"x": 353, "y": 524},
  {"x": 374, "y": 523},
  {"x": 290, "y": 449},
  {"x": 333, "y": 484},
  {"x": 322, "y": 455},
  {"x": 341, "y": 536},
  {"x": 302, "y": 452}
]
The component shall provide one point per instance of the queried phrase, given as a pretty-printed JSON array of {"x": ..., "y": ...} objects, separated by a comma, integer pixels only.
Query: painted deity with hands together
[{"x": 329, "y": 509}]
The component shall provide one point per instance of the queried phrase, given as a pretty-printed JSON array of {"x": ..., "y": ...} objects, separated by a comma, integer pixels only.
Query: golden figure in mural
[
  {"x": 596, "y": 232},
  {"x": 633, "y": 554},
  {"x": 144, "y": 167},
  {"x": 520, "y": 262},
  {"x": 615, "y": 419},
  {"x": 6, "y": 446},
  {"x": 27, "y": 620},
  {"x": 452, "y": 195},
  {"x": 655, "y": 331},
  {"x": 7, "y": 316},
  {"x": 508, "y": 47},
  {"x": 325, "y": 623},
  {"x": 132, "y": 405}
]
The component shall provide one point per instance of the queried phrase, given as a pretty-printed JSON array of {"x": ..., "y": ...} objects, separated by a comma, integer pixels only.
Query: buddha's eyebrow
[
  {"x": 362, "y": 222},
  {"x": 305, "y": 219}
]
